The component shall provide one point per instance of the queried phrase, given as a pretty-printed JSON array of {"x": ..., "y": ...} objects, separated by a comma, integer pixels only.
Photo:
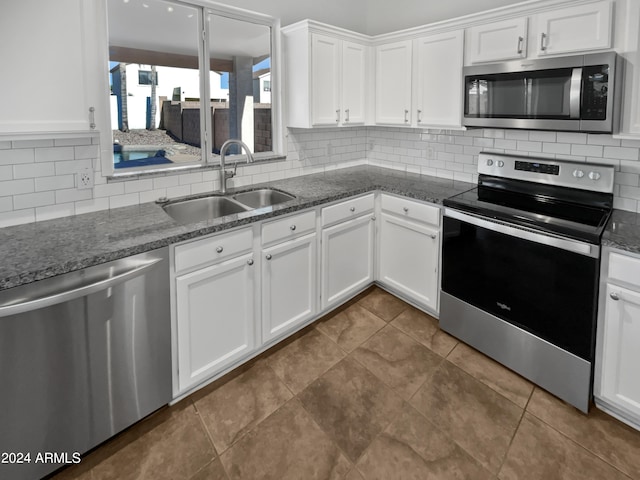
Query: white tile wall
[{"x": 37, "y": 177}]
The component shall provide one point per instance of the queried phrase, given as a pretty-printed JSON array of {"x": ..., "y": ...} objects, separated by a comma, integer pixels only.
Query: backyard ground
[{"x": 176, "y": 151}]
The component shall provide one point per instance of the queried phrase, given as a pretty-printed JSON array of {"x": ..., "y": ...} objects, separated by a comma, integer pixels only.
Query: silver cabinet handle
[
  {"x": 520, "y": 42},
  {"x": 419, "y": 116},
  {"x": 406, "y": 209},
  {"x": 338, "y": 115},
  {"x": 92, "y": 118},
  {"x": 268, "y": 256},
  {"x": 373, "y": 219},
  {"x": 614, "y": 296},
  {"x": 353, "y": 209},
  {"x": 219, "y": 249},
  {"x": 346, "y": 118},
  {"x": 406, "y": 118},
  {"x": 292, "y": 227},
  {"x": 250, "y": 262},
  {"x": 433, "y": 236},
  {"x": 543, "y": 37}
]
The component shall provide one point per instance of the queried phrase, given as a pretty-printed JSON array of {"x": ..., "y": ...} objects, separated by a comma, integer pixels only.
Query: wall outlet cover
[{"x": 84, "y": 178}]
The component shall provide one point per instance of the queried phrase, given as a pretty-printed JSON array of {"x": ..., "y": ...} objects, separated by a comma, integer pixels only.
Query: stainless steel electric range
[{"x": 520, "y": 267}]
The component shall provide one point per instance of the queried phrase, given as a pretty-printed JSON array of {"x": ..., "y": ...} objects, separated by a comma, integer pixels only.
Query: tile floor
[{"x": 372, "y": 391}]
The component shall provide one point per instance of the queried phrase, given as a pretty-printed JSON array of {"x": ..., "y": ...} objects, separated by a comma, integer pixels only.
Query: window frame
[{"x": 208, "y": 159}]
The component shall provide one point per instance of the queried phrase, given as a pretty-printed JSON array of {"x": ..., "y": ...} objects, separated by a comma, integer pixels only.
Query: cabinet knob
[
  {"x": 373, "y": 219},
  {"x": 292, "y": 227},
  {"x": 614, "y": 296},
  {"x": 433, "y": 236},
  {"x": 219, "y": 249},
  {"x": 250, "y": 262},
  {"x": 353, "y": 209},
  {"x": 268, "y": 256},
  {"x": 406, "y": 209}
]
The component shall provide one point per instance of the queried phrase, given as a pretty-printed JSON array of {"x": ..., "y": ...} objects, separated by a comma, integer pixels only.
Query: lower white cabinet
[
  {"x": 617, "y": 384},
  {"x": 289, "y": 286},
  {"x": 216, "y": 324},
  {"x": 347, "y": 258},
  {"x": 409, "y": 250}
]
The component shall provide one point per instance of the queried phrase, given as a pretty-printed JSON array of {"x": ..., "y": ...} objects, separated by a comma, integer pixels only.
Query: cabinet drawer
[
  {"x": 411, "y": 210},
  {"x": 213, "y": 249},
  {"x": 348, "y": 209},
  {"x": 624, "y": 268},
  {"x": 288, "y": 227}
]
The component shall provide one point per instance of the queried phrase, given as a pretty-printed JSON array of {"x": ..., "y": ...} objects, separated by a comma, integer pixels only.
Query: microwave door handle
[{"x": 574, "y": 93}]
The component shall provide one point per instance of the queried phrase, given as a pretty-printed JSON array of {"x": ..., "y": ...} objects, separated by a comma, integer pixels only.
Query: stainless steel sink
[
  {"x": 205, "y": 208},
  {"x": 264, "y": 197}
]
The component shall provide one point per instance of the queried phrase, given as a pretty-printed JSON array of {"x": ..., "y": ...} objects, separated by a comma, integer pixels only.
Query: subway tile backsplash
[{"x": 37, "y": 177}]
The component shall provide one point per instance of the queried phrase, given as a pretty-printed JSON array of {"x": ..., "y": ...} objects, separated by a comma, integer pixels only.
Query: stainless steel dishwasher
[{"x": 82, "y": 356}]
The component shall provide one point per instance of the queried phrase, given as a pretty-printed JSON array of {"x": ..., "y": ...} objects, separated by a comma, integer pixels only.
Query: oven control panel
[{"x": 585, "y": 176}]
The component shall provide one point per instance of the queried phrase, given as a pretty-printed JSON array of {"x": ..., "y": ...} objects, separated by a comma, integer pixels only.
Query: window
[
  {"x": 145, "y": 77},
  {"x": 178, "y": 119}
]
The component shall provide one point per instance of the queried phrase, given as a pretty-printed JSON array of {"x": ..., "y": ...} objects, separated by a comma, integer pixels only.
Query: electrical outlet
[
  {"x": 431, "y": 153},
  {"x": 84, "y": 178}
]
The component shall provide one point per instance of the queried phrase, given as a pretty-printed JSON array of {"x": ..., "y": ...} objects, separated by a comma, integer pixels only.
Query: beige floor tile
[
  {"x": 383, "y": 304},
  {"x": 413, "y": 448},
  {"x": 287, "y": 445},
  {"x": 172, "y": 444},
  {"x": 540, "y": 452},
  {"x": 351, "y": 405},
  {"x": 302, "y": 361},
  {"x": 354, "y": 475},
  {"x": 492, "y": 374},
  {"x": 476, "y": 417},
  {"x": 351, "y": 327},
  {"x": 399, "y": 361},
  {"x": 234, "y": 408},
  {"x": 601, "y": 434},
  {"x": 426, "y": 330},
  {"x": 213, "y": 471}
]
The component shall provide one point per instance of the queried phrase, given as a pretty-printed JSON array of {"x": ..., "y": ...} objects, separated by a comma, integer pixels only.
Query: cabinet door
[
  {"x": 620, "y": 353},
  {"x": 347, "y": 259},
  {"x": 409, "y": 259},
  {"x": 438, "y": 92},
  {"x": 393, "y": 83},
  {"x": 354, "y": 78},
  {"x": 574, "y": 29},
  {"x": 325, "y": 80},
  {"x": 214, "y": 308},
  {"x": 503, "y": 40},
  {"x": 289, "y": 287}
]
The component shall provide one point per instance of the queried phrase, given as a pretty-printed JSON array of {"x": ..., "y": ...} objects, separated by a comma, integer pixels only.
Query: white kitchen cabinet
[
  {"x": 574, "y": 29},
  {"x": 393, "y": 83},
  {"x": 326, "y": 76},
  {"x": 215, "y": 318},
  {"x": 497, "y": 41},
  {"x": 289, "y": 285},
  {"x": 630, "y": 40},
  {"x": 347, "y": 249},
  {"x": 438, "y": 91},
  {"x": 409, "y": 250},
  {"x": 617, "y": 384}
]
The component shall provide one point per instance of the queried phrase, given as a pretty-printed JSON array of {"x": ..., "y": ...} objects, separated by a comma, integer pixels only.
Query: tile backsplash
[{"x": 37, "y": 177}]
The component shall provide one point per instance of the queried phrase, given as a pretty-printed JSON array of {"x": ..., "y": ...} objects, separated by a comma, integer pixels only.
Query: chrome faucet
[{"x": 225, "y": 174}]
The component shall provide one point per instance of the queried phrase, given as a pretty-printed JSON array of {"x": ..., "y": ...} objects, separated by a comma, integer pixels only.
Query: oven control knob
[
  {"x": 578, "y": 173},
  {"x": 500, "y": 163},
  {"x": 594, "y": 175},
  {"x": 489, "y": 162}
]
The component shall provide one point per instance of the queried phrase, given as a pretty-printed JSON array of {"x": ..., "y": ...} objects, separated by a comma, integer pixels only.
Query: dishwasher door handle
[{"x": 30, "y": 304}]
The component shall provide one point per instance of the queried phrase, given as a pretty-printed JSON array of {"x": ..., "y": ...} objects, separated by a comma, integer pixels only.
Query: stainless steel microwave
[{"x": 577, "y": 93}]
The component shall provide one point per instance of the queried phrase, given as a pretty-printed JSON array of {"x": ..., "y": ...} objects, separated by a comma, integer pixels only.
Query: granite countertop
[
  {"x": 623, "y": 231},
  {"x": 41, "y": 250}
]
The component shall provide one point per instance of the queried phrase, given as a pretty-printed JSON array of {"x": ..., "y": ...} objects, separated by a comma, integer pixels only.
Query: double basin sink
[{"x": 208, "y": 208}]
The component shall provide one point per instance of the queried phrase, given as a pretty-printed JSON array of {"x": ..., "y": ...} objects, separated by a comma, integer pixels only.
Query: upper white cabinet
[
  {"x": 419, "y": 82},
  {"x": 630, "y": 51},
  {"x": 574, "y": 29},
  {"x": 45, "y": 92},
  {"x": 326, "y": 77},
  {"x": 504, "y": 40},
  {"x": 617, "y": 385},
  {"x": 438, "y": 91},
  {"x": 393, "y": 83}
]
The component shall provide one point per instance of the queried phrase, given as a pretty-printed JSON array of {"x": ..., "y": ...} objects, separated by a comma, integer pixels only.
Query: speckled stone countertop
[
  {"x": 623, "y": 231},
  {"x": 41, "y": 250}
]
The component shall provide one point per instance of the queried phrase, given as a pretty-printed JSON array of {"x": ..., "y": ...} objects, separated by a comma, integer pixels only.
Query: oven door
[{"x": 545, "y": 285}]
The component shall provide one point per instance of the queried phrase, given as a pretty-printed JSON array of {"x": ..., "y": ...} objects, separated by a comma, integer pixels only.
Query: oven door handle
[{"x": 527, "y": 234}]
